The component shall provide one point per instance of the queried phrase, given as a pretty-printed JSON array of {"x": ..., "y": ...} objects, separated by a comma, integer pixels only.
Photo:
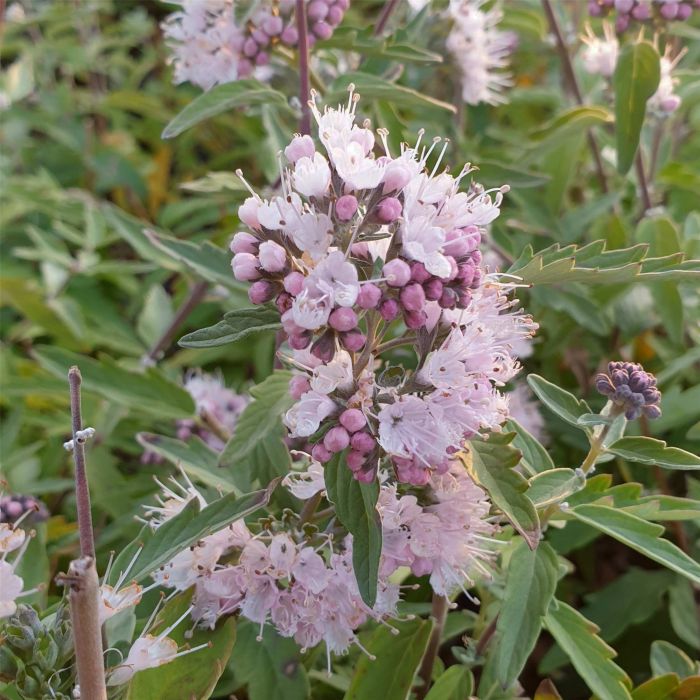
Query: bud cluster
[
  {"x": 210, "y": 47},
  {"x": 629, "y": 11},
  {"x": 362, "y": 253},
  {"x": 632, "y": 390},
  {"x": 15, "y": 507}
]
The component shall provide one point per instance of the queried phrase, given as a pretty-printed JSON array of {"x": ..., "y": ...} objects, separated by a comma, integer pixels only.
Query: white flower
[
  {"x": 600, "y": 55},
  {"x": 665, "y": 100},
  {"x": 312, "y": 176},
  {"x": 312, "y": 233},
  {"x": 11, "y": 587},
  {"x": 11, "y": 538},
  {"x": 304, "y": 418},
  {"x": 307, "y": 483},
  {"x": 336, "y": 374},
  {"x": 480, "y": 50}
]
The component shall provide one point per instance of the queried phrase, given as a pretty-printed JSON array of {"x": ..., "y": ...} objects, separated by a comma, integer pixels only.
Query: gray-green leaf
[{"x": 235, "y": 326}]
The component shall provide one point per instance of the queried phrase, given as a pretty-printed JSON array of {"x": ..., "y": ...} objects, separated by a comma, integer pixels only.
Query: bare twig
[
  {"x": 303, "y": 49},
  {"x": 82, "y": 492},
  {"x": 84, "y": 599},
  {"x": 439, "y": 613},
  {"x": 572, "y": 84},
  {"x": 642, "y": 180},
  {"x": 196, "y": 295},
  {"x": 387, "y": 10}
]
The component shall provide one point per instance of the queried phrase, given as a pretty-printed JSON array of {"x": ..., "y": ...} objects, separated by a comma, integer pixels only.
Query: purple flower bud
[
  {"x": 464, "y": 298},
  {"x": 369, "y": 296},
  {"x": 342, "y": 4},
  {"x": 290, "y": 36},
  {"x": 389, "y": 309},
  {"x": 352, "y": 419},
  {"x": 389, "y": 210},
  {"x": 419, "y": 273},
  {"x": 465, "y": 273},
  {"x": 322, "y": 30},
  {"x": 343, "y": 319},
  {"x": 360, "y": 250},
  {"x": 346, "y": 207},
  {"x": 670, "y": 104},
  {"x": 632, "y": 390},
  {"x": 294, "y": 283},
  {"x": 433, "y": 289},
  {"x": 298, "y": 385},
  {"x": 261, "y": 292},
  {"x": 245, "y": 267},
  {"x": 684, "y": 11},
  {"x": 248, "y": 212},
  {"x": 250, "y": 47},
  {"x": 353, "y": 341},
  {"x": 336, "y": 439},
  {"x": 624, "y": 6},
  {"x": 334, "y": 16},
  {"x": 453, "y": 268},
  {"x": 651, "y": 412},
  {"x": 320, "y": 453},
  {"x": 299, "y": 341},
  {"x": 273, "y": 257},
  {"x": 262, "y": 59},
  {"x": 669, "y": 10},
  {"x": 413, "y": 297},
  {"x": 641, "y": 12},
  {"x": 284, "y": 302},
  {"x": 396, "y": 177},
  {"x": 260, "y": 37},
  {"x": 273, "y": 25},
  {"x": 365, "y": 476},
  {"x": 621, "y": 23},
  {"x": 324, "y": 347},
  {"x": 363, "y": 442},
  {"x": 355, "y": 460},
  {"x": 244, "y": 243},
  {"x": 397, "y": 273},
  {"x": 448, "y": 300},
  {"x": 317, "y": 10},
  {"x": 414, "y": 319},
  {"x": 300, "y": 147}
]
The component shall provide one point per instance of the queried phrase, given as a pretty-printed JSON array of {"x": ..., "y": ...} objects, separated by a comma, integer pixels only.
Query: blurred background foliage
[{"x": 107, "y": 228}]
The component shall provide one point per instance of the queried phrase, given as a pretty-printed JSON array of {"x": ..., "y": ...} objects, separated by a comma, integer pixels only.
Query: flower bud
[
  {"x": 250, "y": 47},
  {"x": 389, "y": 210},
  {"x": 261, "y": 38},
  {"x": 363, "y": 442},
  {"x": 355, "y": 460},
  {"x": 389, "y": 309},
  {"x": 284, "y": 302},
  {"x": 342, "y": 319},
  {"x": 334, "y": 16},
  {"x": 273, "y": 25},
  {"x": 419, "y": 273},
  {"x": 360, "y": 250},
  {"x": 413, "y": 297},
  {"x": 324, "y": 347},
  {"x": 298, "y": 385},
  {"x": 464, "y": 298},
  {"x": 346, "y": 207},
  {"x": 294, "y": 283},
  {"x": 449, "y": 297},
  {"x": 300, "y": 147},
  {"x": 245, "y": 267},
  {"x": 414, "y": 319},
  {"x": 244, "y": 243},
  {"x": 433, "y": 289},
  {"x": 273, "y": 257},
  {"x": 352, "y": 419},
  {"x": 396, "y": 177},
  {"x": 353, "y": 341},
  {"x": 397, "y": 273},
  {"x": 299, "y": 341},
  {"x": 336, "y": 439},
  {"x": 684, "y": 11},
  {"x": 641, "y": 12},
  {"x": 670, "y": 104},
  {"x": 322, "y": 30},
  {"x": 624, "y": 6},
  {"x": 262, "y": 59},
  {"x": 248, "y": 212},
  {"x": 369, "y": 296},
  {"x": 365, "y": 476},
  {"x": 261, "y": 292},
  {"x": 465, "y": 273},
  {"x": 317, "y": 10},
  {"x": 290, "y": 36},
  {"x": 320, "y": 453},
  {"x": 342, "y": 4}
]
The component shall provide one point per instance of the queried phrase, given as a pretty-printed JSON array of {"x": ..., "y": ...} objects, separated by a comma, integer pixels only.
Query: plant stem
[
  {"x": 594, "y": 452},
  {"x": 82, "y": 492},
  {"x": 84, "y": 597},
  {"x": 395, "y": 343},
  {"x": 307, "y": 512},
  {"x": 387, "y": 10},
  {"x": 303, "y": 49},
  {"x": 642, "y": 179},
  {"x": 195, "y": 295},
  {"x": 572, "y": 83},
  {"x": 486, "y": 636},
  {"x": 439, "y": 613}
]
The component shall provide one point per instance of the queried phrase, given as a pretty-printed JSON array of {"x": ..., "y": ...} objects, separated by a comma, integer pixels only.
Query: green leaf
[
  {"x": 558, "y": 400},
  {"x": 588, "y": 653},
  {"x": 643, "y": 536},
  {"x": 554, "y": 486},
  {"x": 666, "y": 658},
  {"x": 184, "y": 529},
  {"x": 683, "y": 612},
  {"x": 356, "y": 507},
  {"x": 194, "y": 456},
  {"x": 235, "y": 326},
  {"x": 156, "y": 315},
  {"x": 535, "y": 457},
  {"x": 192, "y": 675},
  {"x": 635, "y": 80},
  {"x": 223, "y": 98},
  {"x": 492, "y": 464},
  {"x": 390, "y": 676},
  {"x": 650, "y": 451},
  {"x": 375, "y": 88},
  {"x": 494, "y": 174},
  {"x": 531, "y": 580},
  {"x": 148, "y": 391},
  {"x": 660, "y": 688},
  {"x": 573, "y": 120},
  {"x": 272, "y": 668},
  {"x": 259, "y": 418},
  {"x": 456, "y": 683}
]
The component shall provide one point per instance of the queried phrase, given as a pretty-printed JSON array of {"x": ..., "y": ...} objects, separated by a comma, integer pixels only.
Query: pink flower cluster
[
  {"x": 210, "y": 47},
  {"x": 628, "y": 11},
  {"x": 13, "y": 541},
  {"x": 363, "y": 253}
]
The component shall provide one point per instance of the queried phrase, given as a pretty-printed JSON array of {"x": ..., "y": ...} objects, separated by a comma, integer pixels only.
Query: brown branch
[
  {"x": 82, "y": 492},
  {"x": 196, "y": 295},
  {"x": 572, "y": 84},
  {"x": 642, "y": 180},
  {"x": 387, "y": 11},
  {"x": 84, "y": 598},
  {"x": 439, "y": 613},
  {"x": 303, "y": 49}
]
